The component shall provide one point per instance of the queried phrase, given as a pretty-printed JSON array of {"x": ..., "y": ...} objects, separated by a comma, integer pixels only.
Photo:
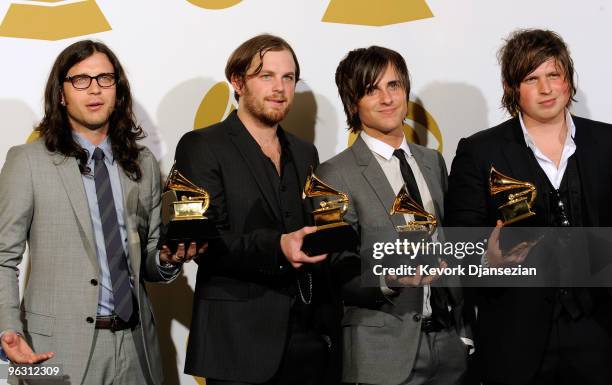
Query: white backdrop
[{"x": 175, "y": 51}]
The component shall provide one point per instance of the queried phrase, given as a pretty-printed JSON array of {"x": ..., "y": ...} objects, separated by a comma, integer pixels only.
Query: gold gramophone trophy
[
  {"x": 519, "y": 204},
  {"x": 333, "y": 234},
  {"x": 404, "y": 204},
  {"x": 183, "y": 208},
  {"x": 421, "y": 227}
]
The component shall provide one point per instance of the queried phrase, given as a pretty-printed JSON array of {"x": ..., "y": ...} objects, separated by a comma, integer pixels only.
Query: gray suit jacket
[
  {"x": 43, "y": 204},
  {"x": 380, "y": 334}
]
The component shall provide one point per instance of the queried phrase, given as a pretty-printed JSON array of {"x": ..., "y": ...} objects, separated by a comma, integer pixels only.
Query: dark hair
[
  {"x": 360, "y": 71},
  {"x": 523, "y": 52},
  {"x": 240, "y": 60},
  {"x": 55, "y": 127}
]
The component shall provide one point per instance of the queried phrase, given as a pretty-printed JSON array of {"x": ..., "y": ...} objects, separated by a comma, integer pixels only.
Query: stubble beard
[{"x": 269, "y": 117}]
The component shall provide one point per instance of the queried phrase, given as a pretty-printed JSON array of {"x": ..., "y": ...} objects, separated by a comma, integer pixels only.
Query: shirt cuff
[
  {"x": 3, "y": 356},
  {"x": 386, "y": 290},
  {"x": 469, "y": 344},
  {"x": 484, "y": 260}
]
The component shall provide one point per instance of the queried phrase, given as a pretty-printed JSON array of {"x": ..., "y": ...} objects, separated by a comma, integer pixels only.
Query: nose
[
  {"x": 544, "y": 86},
  {"x": 94, "y": 87},
  {"x": 279, "y": 84},
  {"x": 385, "y": 96}
]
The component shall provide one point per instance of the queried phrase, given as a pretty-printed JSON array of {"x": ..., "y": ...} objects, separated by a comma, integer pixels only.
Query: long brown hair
[
  {"x": 524, "y": 51},
  {"x": 55, "y": 127}
]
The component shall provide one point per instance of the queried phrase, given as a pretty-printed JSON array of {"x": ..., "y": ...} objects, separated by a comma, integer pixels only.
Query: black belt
[
  {"x": 431, "y": 325},
  {"x": 114, "y": 323}
]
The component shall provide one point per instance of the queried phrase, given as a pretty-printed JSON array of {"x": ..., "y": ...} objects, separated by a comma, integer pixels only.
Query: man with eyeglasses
[
  {"x": 85, "y": 199},
  {"x": 546, "y": 335}
]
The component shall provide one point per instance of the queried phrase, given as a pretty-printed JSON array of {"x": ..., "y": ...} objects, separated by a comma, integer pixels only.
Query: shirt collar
[
  {"x": 382, "y": 148},
  {"x": 569, "y": 139},
  {"x": 89, "y": 147}
]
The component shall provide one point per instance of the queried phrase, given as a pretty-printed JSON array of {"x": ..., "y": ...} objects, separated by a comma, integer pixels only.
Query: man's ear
[
  {"x": 238, "y": 84},
  {"x": 62, "y": 98}
]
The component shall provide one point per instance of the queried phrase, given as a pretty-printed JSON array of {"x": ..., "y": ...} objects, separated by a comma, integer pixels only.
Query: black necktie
[
  {"x": 438, "y": 298},
  {"x": 408, "y": 176},
  {"x": 115, "y": 254}
]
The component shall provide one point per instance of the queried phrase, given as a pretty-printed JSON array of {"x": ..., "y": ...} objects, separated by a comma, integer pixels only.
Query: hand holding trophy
[
  {"x": 515, "y": 242},
  {"x": 333, "y": 234},
  {"x": 183, "y": 207}
]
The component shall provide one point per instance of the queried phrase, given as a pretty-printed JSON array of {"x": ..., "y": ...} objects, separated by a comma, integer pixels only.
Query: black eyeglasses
[{"x": 82, "y": 82}]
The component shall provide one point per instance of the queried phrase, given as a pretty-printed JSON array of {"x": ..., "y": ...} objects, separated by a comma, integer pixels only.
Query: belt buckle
[
  {"x": 427, "y": 324},
  {"x": 113, "y": 325}
]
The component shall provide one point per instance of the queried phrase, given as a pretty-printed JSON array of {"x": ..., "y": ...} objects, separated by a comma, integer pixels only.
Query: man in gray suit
[
  {"x": 400, "y": 330},
  {"x": 85, "y": 198}
]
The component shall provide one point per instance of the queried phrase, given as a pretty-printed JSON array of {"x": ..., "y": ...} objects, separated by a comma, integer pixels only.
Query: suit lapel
[
  {"x": 587, "y": 167},
  {"x": 431, "y": 177},
  {"x": 302, "y": 164},
  {"x": 300, "y": 160},
  {"x": 518, "y": 159},
  {"x": 130, "y": 191},
  {"x": 72, "y": 180},
  {"x": 517, "y": 154},
  {"x": 374, "y": 175},
  {"x": 251, "y": 155}
]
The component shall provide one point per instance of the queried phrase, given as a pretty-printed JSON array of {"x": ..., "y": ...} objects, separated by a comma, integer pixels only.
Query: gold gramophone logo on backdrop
[
  {"x": 376, "y": 13},
  {"x": 215, "y": 106},
  {"x": 417, "y": 119},
  {"x": 214, "y": 4},
  {"x": 53, "y": 19}
]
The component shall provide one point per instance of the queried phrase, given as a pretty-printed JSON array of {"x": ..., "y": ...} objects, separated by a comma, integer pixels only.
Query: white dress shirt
[
  {"x": 554, "y": 173},
  {"x": 383, "y": 153}
]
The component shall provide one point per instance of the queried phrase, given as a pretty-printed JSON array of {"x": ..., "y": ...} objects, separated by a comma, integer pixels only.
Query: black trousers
[
  {"x": 579, "y": 351},
  {"x": 304, "y": 360}
]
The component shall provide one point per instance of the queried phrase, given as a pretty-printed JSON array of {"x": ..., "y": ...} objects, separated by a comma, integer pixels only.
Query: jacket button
[
  {"x": 89, "y": 320},
  {"x": 416, "y": 317},
  {"x": 94, "y": 282}
]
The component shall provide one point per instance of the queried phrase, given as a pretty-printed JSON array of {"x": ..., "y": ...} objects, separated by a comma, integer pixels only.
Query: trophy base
[
  {"x": 330, "y": 238},
  {"x": 187, "y": 230},
  {"x": 515, "y": 211},
  {"x": 512, "y": 236}
]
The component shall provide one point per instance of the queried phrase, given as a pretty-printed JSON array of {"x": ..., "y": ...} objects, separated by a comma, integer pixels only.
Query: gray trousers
[
  {"x": 114, "y": 360},
  {"x": 441, "y": 360}
]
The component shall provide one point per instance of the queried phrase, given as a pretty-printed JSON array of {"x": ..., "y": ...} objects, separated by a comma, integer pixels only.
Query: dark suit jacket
[
  {"x": 513, "y": 323},
  {"x": 243, "y": 291}
]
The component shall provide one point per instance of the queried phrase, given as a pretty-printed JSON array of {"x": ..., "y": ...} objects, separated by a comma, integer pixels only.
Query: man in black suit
[
  {"x": 262, "y": 312},
  {"x": 538, "y": 335}
]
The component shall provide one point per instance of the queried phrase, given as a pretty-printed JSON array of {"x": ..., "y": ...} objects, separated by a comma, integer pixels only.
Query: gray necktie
[{"x": 115, "y": 254}]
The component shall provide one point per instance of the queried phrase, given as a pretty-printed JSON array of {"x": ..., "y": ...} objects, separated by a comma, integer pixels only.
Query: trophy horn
[
  {"x": 499, "y": 182},
  {"x": 315, "y": 187},
  {"x": 404, "y": 204},
  {"x": 178, "y": 182}
]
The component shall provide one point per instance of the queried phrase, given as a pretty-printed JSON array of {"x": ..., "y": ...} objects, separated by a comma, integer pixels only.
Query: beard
[{"x": 257, "y": 108}]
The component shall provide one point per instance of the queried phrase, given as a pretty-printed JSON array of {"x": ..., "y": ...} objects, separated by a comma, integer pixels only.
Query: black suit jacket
[
  {"x": 513, "y": 323},
  {"x": 244, "y": 284}
]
